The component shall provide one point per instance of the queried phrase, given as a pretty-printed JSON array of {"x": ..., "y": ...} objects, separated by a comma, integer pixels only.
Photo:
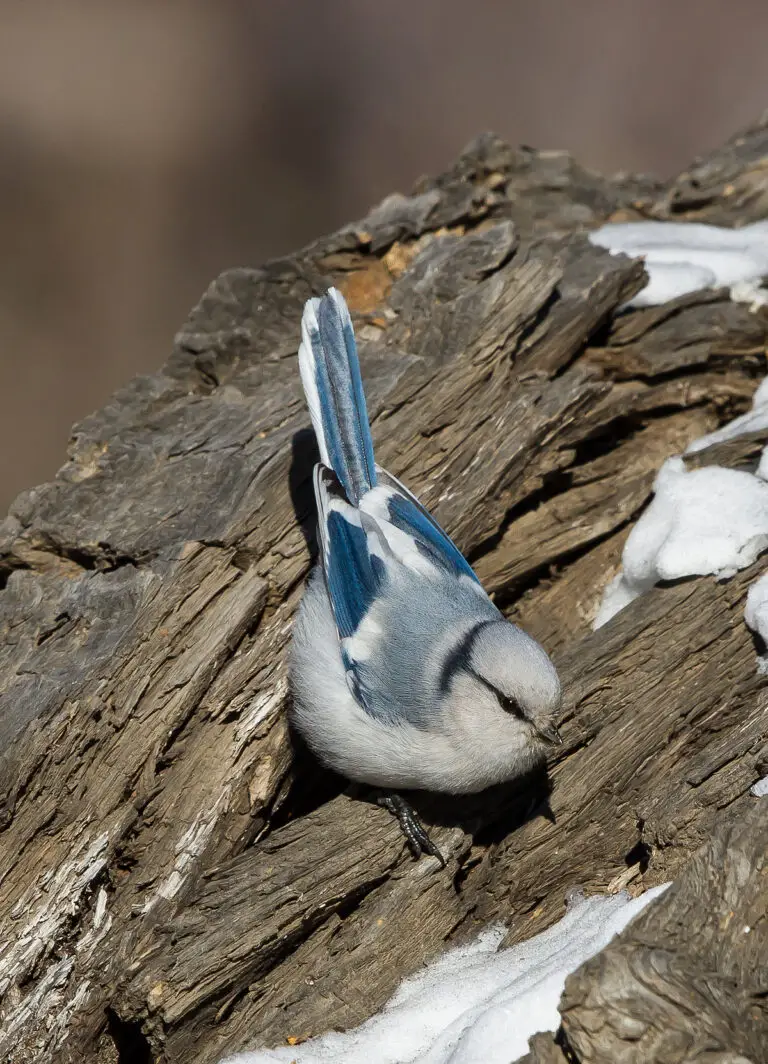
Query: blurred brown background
[{"x": 146, "y": 145}]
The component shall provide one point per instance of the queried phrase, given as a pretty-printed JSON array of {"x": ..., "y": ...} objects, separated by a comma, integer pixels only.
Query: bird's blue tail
[{"x": 330, "y": 373}]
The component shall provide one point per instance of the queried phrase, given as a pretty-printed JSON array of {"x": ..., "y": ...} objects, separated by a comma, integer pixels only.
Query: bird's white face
[
  {"x": 501, "y": 709},
  {"x": 491, "y": 745},
  {"x": 518, "y": 680}
]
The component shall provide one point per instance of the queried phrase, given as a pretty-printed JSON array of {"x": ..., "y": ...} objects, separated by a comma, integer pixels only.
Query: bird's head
[{"x": 512, "y": 675}]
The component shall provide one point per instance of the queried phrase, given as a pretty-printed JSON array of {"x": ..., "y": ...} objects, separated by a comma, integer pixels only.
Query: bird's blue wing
[
  {"x": 408, "y": 527},
  {"x": 355, "y": 559},
  {"x": 353, "y": 553}
]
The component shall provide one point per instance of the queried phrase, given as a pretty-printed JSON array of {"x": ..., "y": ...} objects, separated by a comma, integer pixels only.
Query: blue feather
[
  {"x": 354, "y": 576},
  {"x": 407, "y": 513},
  {"x": 343, "y": 413},
  {"x": 429, "y": 538}
]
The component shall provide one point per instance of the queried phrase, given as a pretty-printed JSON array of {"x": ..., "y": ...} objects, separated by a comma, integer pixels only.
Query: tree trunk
[{"x": 174, "y": 884}]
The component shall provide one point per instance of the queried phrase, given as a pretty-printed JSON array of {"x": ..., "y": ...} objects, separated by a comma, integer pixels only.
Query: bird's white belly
[{"x": 397, "y": 756}]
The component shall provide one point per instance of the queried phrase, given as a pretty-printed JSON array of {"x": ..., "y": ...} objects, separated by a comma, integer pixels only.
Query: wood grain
[{"x": 176, "y": 882}]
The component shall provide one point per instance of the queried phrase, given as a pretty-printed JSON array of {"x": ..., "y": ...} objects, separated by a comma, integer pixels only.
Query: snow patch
[
  {"x": 755, "y": 420},
  {"x": 750, "y": 292},
  {"x": 709, "y": 520},
  {"x": 701, "y": 521},
  {"x": 756, "y": 609},
  {"x": 475, "y": 1004},
  {"x": 683, "y": 257},
  {"x": 760, "y": 789}
]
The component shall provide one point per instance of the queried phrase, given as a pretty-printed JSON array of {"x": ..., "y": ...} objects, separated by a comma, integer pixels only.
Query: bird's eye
[{"x": 509, "y": 705}]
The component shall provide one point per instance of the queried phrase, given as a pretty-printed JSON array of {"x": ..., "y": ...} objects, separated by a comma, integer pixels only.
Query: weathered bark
[
  {"x": 660, "y": 992},
  {"x": 171, "y": 883}
]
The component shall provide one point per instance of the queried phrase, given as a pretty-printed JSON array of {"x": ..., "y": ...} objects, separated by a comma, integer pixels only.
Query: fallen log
[{"x": 175, "y": 884}]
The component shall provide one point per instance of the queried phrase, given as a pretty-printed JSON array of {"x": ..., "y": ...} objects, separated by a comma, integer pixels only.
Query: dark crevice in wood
[
  {"x": 8, "y": 565},
  {"x": 603, "y": 441},
  {"x": 553, "y": 484},
  {"x": 640, "y": 855},
  {"x": 310, "y": 787},
  {"x": 131, "y": 1045},
  {"x": 511, "y": 592},
  {"x": 600, "y": 340},
  {"x": 101, "y": 557},
  {"x": 521, "y": 350},
  {"x": 565, "y": 1047},
  {"x": 719, "y": 366},
  {"x": 61, "y": 624}
]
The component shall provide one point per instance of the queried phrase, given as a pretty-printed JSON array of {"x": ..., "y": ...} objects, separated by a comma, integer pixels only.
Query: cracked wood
[{"x": 172, "y": 875}]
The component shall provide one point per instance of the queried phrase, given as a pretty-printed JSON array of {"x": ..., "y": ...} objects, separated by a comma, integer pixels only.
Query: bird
[{"x": 404, "y": 674}]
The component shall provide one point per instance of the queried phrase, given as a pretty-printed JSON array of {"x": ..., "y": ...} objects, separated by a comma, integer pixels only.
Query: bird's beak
[{"x": 550, "y": 734}]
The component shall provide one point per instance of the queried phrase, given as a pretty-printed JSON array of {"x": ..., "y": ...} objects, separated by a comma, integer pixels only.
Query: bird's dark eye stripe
[
  {"x": 509, "y": 705},
  {"x": 459, "y": 657}
]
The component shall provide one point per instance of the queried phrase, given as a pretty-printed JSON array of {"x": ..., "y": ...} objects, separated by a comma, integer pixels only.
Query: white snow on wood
[
  {"x": 760, "y": 789},
  {"x": 709, "y": 520},
  {"x": 756, "y": 610},
  {"x": 683, "y": 257},
  {"x": 755, "y": 420},
  {"x": 476, "y": 1004},
  {"x": 750, "y": 292},
  {"x": 701, "y": 521}
]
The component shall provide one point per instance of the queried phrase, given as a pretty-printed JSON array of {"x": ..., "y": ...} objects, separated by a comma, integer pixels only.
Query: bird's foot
[{"x": 418, "y": 839}]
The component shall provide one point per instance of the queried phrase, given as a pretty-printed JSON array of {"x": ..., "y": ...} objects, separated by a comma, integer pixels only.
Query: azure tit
[{"x": 404, "y": 673}]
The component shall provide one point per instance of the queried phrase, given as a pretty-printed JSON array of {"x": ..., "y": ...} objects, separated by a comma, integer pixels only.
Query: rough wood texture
[
  {"x": 173, "y": 886},
  {"x": 659, "y": 992}
]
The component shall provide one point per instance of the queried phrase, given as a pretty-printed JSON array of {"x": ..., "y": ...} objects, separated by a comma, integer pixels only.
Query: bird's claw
[{"x": 418, "y": 839}]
